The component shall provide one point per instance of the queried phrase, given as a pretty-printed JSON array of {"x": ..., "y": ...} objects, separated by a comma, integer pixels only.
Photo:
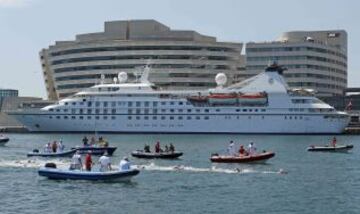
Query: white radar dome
[
  {"x": 122, "y": 77},
  {"x": 220, "y": 79}
]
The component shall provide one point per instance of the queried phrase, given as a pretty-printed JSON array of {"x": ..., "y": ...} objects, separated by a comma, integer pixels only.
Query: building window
[{"x": 138, "y": 104}]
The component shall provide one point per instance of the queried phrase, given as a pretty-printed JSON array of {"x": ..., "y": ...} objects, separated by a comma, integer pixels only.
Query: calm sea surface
[{"x": 315, "y": 182}]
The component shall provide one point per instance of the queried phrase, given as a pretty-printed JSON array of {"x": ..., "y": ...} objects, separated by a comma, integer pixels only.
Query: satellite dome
[
  {"x": 220, "y": 79},
  {"x": 122, "y": 77}
]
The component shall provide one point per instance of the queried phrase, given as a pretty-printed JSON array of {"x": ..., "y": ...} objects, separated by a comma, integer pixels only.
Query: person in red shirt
[
  {"x": 88, "y": 162},
  {"x": 334, "y": 142},
  {"x": 157, "y": 147}
]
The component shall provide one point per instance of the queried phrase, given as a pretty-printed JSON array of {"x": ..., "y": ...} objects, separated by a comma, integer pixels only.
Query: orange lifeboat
[
  {"x": 222, "y": 98},
  {"x": 254, "y": 98}
]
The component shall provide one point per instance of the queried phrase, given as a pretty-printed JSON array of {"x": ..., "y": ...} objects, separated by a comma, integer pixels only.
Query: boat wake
[
  {"x": 32, "y": 163},
  {"x": 213, "y": 169}
]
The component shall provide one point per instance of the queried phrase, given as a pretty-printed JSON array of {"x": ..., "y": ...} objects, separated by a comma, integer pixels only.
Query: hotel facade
[{"x": 179, "y": 59}]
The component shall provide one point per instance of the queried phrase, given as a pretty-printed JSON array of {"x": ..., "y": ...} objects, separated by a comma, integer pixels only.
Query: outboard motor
[
  {"x": 36, "y": 151},
  {"x": 50, "y": 165}
]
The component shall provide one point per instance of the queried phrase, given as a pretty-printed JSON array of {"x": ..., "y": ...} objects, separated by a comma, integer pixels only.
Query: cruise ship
[{"x": 261, "y": 104}]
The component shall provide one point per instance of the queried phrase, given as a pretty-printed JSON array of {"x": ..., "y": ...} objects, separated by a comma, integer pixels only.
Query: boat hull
[
  {"x": 258, "y": 158},
  {"x": 339, "y": 148},
  {"x": 69, "y": 153},
  {"x": 151, "y": 155},
  {"x": 4, "y": 140},
  {"x": 53, "y": 173},
  {"x": 95, "y": 150}
]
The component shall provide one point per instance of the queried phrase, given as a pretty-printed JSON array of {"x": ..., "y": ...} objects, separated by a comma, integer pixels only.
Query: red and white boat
[
  {"x": 255, "y": 158},
  {"x": 222, "y": 99},
  {"x": 254, "y": 98}
]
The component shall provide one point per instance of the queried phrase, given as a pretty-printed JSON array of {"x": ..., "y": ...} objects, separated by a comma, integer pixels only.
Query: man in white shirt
[
  {"x": 251, "y": 148},
  {"x": 231, "y": 148},
  {"x": 76, "y": 162},
  {"x": 124, "y": 164},
  {"x": 105, "y": 163}
]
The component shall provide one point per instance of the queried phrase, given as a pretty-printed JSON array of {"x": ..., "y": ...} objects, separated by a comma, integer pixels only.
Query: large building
[
  {"x": 4, "y": 93},
  {"x": 314, "y": 59},
  {"x": 179, "y": 59}
]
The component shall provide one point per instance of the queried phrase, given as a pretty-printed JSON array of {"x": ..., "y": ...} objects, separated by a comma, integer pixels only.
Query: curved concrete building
[
  {"x": 178, "y": 59},
  {"x": 314, "y": 59}
]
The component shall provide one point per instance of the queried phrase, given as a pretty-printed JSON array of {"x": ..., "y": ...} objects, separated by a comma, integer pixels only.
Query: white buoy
[
  {"x": 220, "y": 79},
  {"x": 122, "y": 77}
]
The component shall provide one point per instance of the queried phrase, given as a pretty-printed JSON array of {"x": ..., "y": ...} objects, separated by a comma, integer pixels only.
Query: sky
[{"x": 27, "y": 26}]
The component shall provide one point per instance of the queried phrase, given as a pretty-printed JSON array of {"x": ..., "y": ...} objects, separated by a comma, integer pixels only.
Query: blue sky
[{"x": 27, "y": 26}]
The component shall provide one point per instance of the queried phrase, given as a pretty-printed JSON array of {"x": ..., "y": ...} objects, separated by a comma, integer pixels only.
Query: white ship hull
[{"x": 242, "y": 124}]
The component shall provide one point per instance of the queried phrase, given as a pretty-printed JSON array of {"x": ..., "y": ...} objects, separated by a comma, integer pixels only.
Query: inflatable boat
[
  {"x": 329, "y": 148},
  {"x": 36, "y": 153},
  {"x": 255, "y": 158},
  {"x": 150, "y": 155},
  {"x": 94, "y": 150}
]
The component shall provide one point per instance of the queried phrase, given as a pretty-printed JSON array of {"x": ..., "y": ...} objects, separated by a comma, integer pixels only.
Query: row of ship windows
[
  {"x": 278, "y": 58},
  {"x": 142, "y": 57},
  {"x": 314, "y": 84},
  {"x": 134, "y": 66},
  {"x": 142, "y": 48},
  {"x": 317, "y": 76},
  {"x": 168, "y": 117},
  {"x": 128, "y": 104},
  {"x": 281, "y": 49},
  {"x": 300, "y": 66}
]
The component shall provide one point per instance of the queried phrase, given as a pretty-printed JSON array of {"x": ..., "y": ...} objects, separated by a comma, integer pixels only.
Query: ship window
[
  {"x": 97, "y": 117},
  {"x": 57, "y": 117},
  {"x": 113, "y": 104},
  {"x": 81, "y": 117},
  {"x": 57, "y": 110},
  {"x": 97, "y": 103},
  {"x": 290, "y": 117},
  {"x": 146, "y": 117},
  {"x": 250, "y": 110},
  {"x": 244, "y": 110},
  {"x": 73, "y": 104},
  {"x": 172, "y": 103},
  {"x": 295, "y": 118},
  {"x": 300, "y": 117},
  {"x": 130, "y": 104},
  {"x": 206, "y": 117},
  {"x": 66, "y": 103},
  {"x": 262, "y": 117},
  {"x": 146, "y": 111},
  {"x": 50, "y": 117},
  {"x": 217, "y": 110},
  {"x": 50, "y": 109},
  {"x": 138, "y": 104},
  {"x": 89, "y": 104},
  {"x": 129, "y": 111},
  {"x": 97, "y": 111},
  {"x": 181, "y": 103},
  {"x": 65, "y": 110},
  {"x": 189, "y": 110},
  {"x": 73, "y": 117},
  {"x": 206, "y": 110},
  {"x": 81, "y": 111},
  {"x": 146, "y": 104},
  {"x": 197, "y": 110},
  {"x": 154, "y": 117},
  {"x": 113, "y": 111},
  {"x": 163, "y": 110},
  {"x": 155, "y": 111},
  {"x": 237, "y": 110},
  {"x": 89, "y": 117},
  {"x": 171, "y": 118},
  {"x": 65, "y": 117},
  {"x": 105, "y": 111},
  {"x": 138, "y": 117},
  {"x": 285, "y": 117},
  {"x": 163, "y": 103},
  {"x": 105, "y": 117},
  {"x": 73, "y": 111},
  {"x": 180, "y": 117},
  {"x": 256, "y": 110},
  {"x": 155, "y": 104},
  {"x": 188, "y": 117},
  {"x": 180, "y": 110},
  {"x": 197, "y": 117},
  {"x": 172, "y": 110},
  {"x": 163, "y": 117},
  {"x": 129, "y": 117},
  {"x": 263, "y": 110},
  {"x": 138, "y": 111},
  {"x": 105, "y": 104},
  {"x": 89, "y": 111}
]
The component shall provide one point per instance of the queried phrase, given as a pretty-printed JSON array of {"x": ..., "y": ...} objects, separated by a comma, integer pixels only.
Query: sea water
[{"x": 294, "y": 181}]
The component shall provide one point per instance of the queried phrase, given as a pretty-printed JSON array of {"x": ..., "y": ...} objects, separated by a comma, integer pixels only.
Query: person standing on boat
[
  {"x": 76, "y": 162},
  {"x": 105, "y": 163},
  {"x": 334, "y": 142},
  {"x": 147, "y": 148},
  {"x": 88, "y": 162},
  {"x": 157, "y": 147},
  {"x": 60, "y": 146},
  {"x": 171, "y": 148},
  {"x": 231, "y": 148},
  {"x": 124, "y": 164},
  {"x": 242, "y": 151},
  {"x": 85, "y": 141},
  {"x": 54, "y": 146},
  {"x": 92, "y": 141},
  {"x": 251, "y": 148}
]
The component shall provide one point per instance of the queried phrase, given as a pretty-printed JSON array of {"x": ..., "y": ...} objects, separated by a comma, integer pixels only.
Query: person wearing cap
[
  {"x": 76, "y": 162},
  {"x": 124, "y": 164},
  {"x": 105, "y": 163}
]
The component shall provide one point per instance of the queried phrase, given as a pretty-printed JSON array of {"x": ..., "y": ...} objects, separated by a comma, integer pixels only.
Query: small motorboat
[
  {"x": 255, "y": 158},
  {"x": 330, "y": 148},
  {"x": 95, "y": 150},
  {"x": 3, "y": 140},
  {"x": 151, "y": 155},
  {"x": 36, "y": 153},
  {"x": 50, "y": 171}
]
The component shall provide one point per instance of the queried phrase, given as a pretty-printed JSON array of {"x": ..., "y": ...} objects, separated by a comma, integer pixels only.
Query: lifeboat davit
[
  {"x": 255, "y": 98},
  {"x": 222, "y": 99}
]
